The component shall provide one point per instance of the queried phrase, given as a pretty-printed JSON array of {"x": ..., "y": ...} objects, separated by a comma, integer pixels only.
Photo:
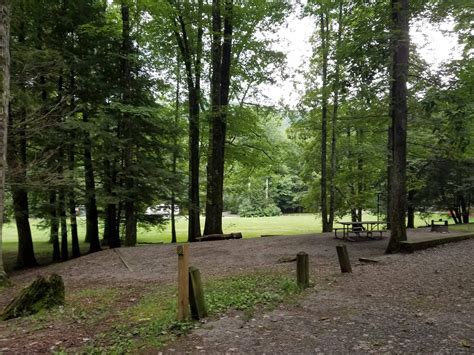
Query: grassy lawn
[{"x": 250, "y": 227}]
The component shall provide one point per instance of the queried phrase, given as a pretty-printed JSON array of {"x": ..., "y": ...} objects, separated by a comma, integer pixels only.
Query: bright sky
[{"x": 435, "y": 44}]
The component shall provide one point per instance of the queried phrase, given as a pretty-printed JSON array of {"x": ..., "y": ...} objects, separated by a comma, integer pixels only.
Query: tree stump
[{"x": 41, "y": 294}]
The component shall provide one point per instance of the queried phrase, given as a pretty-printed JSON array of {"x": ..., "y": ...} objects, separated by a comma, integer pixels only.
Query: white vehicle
[{"x": 162, "y": 210}]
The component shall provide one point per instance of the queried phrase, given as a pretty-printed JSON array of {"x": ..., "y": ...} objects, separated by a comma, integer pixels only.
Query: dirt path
[
  {"x": 158, "y": 263},
  {"x": 418, "y": 302}
]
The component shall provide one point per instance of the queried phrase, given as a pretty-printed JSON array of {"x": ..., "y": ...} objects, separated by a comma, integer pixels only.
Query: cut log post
[
  {"x": 196, "y": 294},
  {"x": 302, "y": 270},
  {"x": 343, "y": 256},
  {"x": 41, "y": 294},
  {"x": 183, "y": 282}
]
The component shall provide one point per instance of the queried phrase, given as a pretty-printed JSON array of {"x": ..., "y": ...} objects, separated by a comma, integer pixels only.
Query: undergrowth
[{"x": 151, "y": 323}]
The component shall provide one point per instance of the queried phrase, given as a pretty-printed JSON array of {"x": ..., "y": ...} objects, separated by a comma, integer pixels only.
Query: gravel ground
[
  {"x": 417, "y": 303},
  {"x": 421, "y": 302}
]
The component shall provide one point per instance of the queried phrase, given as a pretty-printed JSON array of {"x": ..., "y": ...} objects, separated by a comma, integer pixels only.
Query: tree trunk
[
  {"x": 63, "y": 220},
  {"x": 71, "y": 196},
  {"x": 17, "y": 162},
  {"x": 324, "y": 121},
  {"x": 389, "y": 174},
  {"x": 354, "y": 215},
  {"x": 92, "y": 223},
  {"x": 111, "y": 235},
  {"x": 129, "y": 205},
  {"x": 194, "y": 99},
  {"x": 411, "y": 210},
  {"x": 220, "y": 82},
  {"x": 464, "y": 209},
  {"x": 399, "y": 113},
  {"x": 54, "y": 225},
  {"x": 175, "y": 148},
  {"x": 5, "y": 97},
  {"x": 112, "y": 227},
  {"x": 61, "y": 205},
  {"x": 332, "y": 177},
  {"x": 72, "y": 205}
]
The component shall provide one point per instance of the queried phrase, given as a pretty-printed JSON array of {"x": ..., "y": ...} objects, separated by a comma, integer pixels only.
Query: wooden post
[
  {"x": 183, "y": 282},
  {"x": 196, "y": 294},
  {"x": 343, "y": 256},
  {"x": 302, "y": 270}
]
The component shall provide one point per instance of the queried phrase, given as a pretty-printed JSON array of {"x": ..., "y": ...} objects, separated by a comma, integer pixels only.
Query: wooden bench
[
  {"x": 440, "y": 227},
  {"x": 380, "y": 232}
]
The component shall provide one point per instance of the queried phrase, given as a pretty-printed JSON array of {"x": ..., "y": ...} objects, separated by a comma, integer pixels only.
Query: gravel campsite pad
[{"x": 421, "y": 302}]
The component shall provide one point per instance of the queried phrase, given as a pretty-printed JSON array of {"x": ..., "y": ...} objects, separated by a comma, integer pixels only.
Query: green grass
[
  {"x": 250, "y": 227},
  {"x": 151, "y": 323},
  {"x": 462, "y": 227}
]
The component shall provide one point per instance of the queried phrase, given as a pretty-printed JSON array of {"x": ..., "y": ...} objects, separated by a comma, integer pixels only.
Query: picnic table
[{"x": 360, "y": 229}]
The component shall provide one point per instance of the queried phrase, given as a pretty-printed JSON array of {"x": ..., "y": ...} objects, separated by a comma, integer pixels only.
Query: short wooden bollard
[
  {"x": 183, "y": 282},
  {"x": 302, "y": 270},
  {"x": 343, "y": 256},
  {"x": 196, "y": 294}
]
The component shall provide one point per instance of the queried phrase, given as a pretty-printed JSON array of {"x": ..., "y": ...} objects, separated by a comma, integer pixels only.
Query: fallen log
[
  {"x": 286, "y": 259},
  {"x": 211, "y": 237},
  {"x": 41, "y": 294}
]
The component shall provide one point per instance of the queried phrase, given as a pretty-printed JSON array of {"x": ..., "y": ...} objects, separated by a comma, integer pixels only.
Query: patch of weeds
[
  {"x": 245, "y": 292},
  {"x": 151, "y": 323},
  {"x": 86, "y": 306}
]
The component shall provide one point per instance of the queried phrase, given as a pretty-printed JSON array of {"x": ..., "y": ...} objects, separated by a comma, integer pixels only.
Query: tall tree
[
  {"x": 324, "y": 33},
  {"x": 399, "y": 114},
  {"x": 335, "y": 109},
  {"x": 17, "y": 161},
  {"x": 190, "y": 44},
  {"x": 92, "y": 222},
  {"x": 5, "y": 97},
  {"x": 221, "y": 58},
  {"x": 130, "y": 219}
]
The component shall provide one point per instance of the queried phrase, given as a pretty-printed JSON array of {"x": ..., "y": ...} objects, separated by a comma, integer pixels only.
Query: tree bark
[
  {"x": 411, "y": 210},
  {"x": 5, "y": 97},
  {"x": 63, "y": 222},
  {"x": 71, "y": 198},
  {"x": 324, "y": 121},
  {"x": 193, "y": 79},
  {"x": 54, "y": 225},
  {"x": 175, "y": 147},
  {"x": 92, "y": 223},
  {"x": 61, "y": 205},
  {"x": 332, "y": 177},
  {"x": 399, "y": 113},
  {"x": 389, "y": 174},
  {"x": 129, "y": 205},
  {"x": 220, "y": 82},
  {"x": 17, "y": 162}
]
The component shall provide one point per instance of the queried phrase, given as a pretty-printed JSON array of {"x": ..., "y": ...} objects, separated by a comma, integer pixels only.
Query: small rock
[{"x": 465, "y": 344}]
